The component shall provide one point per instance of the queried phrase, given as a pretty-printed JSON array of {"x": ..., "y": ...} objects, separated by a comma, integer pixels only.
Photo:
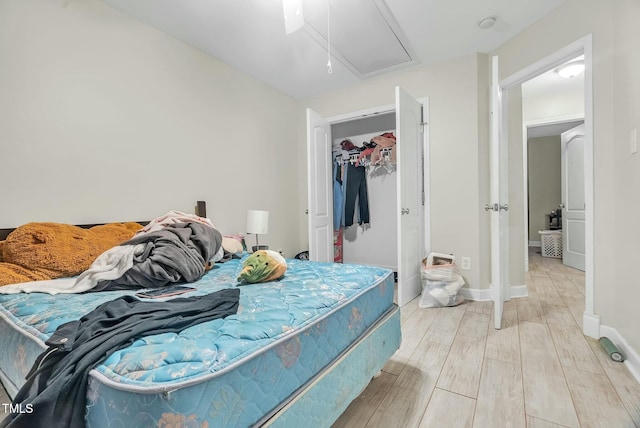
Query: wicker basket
[{"x": 551, "y": 243}]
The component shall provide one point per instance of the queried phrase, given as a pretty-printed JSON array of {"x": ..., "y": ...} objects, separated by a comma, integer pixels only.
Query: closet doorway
[
  {"x": 410, "y": 202},
  {"x": 357, "y": 242}
]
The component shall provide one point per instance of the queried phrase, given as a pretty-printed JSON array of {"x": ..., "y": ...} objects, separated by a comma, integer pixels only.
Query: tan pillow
[{"x": 231, "y": 245}]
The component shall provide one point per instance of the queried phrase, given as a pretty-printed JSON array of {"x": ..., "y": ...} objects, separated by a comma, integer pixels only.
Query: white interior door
[
  {"x": 409, "y": 179},
  {"x": 319, "y": 188},
  {"x": 498, "y": 207},
  {"x": 573, "y": 198}
]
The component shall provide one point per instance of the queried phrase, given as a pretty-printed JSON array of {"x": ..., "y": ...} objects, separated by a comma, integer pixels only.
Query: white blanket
[{"x": 110, "y": 265}]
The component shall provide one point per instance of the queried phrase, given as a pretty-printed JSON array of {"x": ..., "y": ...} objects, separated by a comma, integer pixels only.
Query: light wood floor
[{"x": 454, "y": 369}]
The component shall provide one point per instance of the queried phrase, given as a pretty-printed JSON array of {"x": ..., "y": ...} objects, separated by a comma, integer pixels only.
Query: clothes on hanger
[
  {"x": 380, "y": 149},
  {"x": 350, "y": 180},
  {"x": 356, "y": 186},
  {"x": 348, "y": 145},
  {"x": 384, "y": 141},
  {"x": 338, "y": 193}
]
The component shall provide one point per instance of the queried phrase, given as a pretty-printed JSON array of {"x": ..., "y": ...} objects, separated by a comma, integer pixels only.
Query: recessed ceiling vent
[{"x": 364, "y": 35}]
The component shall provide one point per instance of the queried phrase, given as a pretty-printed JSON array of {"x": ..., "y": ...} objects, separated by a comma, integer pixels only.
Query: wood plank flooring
[{"x": 454, "y": 369}]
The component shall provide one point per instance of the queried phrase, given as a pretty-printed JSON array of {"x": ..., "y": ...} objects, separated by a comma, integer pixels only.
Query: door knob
[
  {"x": 561, "y": 205},
  {"x": 404, "y": 211},
  {"x": 504, "y": 207}
]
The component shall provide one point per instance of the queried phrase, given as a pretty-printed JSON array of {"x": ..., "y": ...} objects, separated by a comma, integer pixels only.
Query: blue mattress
[{"x": 227, "y": 372}]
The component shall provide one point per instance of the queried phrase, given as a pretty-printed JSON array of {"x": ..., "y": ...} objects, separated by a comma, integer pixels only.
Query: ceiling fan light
[
  {"x": 570, "y": 69},
  {"x": 293, "y": 16}
]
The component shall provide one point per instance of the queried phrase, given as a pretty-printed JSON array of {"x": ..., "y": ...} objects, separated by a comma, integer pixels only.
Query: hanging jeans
[
  {"x": 338, "y": 196},
  {"x": 356, "y": 186}
]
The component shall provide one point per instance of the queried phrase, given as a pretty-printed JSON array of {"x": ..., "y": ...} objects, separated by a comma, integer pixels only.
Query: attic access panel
[{"x": 364, "y": 34}]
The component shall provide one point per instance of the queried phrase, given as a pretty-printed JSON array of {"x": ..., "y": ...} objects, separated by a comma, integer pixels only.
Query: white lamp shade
[{"x": 257, "y": 222}]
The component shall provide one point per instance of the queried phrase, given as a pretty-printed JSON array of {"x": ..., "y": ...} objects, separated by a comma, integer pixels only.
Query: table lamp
[{"x": 258, "y": 223}]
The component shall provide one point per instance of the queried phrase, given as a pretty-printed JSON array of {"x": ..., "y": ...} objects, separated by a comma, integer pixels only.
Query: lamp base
[{"x": 259, "y": 247}]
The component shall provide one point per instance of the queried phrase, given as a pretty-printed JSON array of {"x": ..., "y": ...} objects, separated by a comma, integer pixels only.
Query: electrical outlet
[
  {"x": 633, "y": 141},
  {"x": 465, "y": 263}
]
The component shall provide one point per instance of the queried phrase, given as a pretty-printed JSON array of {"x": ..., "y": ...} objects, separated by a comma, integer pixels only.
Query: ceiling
[{"x": 368, "y": 37}]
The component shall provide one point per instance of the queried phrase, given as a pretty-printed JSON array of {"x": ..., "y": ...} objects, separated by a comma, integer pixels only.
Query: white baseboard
[
  {"x": 591, "y": 325},
  {"x": 632, "y": 359},
  {"x": 535, "y": 243},
  {"x": 476, "y": 294},
  {"x": 482, "y": 295},
  {"x": 519, "y": 291},
  {"x": 593, "y": 328}
]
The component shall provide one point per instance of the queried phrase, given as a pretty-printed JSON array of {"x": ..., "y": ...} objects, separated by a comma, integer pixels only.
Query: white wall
[
  {"x": 544, "y": 182},
  {"x": 515, "y": 186},
  {"x": 618, "y": 303},
  {"x": 103, "y": 118},
  {"x": 556, "y": 105},
  {"x": 452, "y": 88},
  {"x": 484, "y": 219}
]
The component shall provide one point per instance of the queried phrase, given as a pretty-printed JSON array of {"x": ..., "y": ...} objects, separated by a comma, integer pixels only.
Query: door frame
[
  {"x": 525, "y": 168},
  {"x": 584, "y": 46}
]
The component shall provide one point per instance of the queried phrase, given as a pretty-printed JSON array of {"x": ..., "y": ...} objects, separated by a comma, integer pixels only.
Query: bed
[{"x": 296, "y": 353}]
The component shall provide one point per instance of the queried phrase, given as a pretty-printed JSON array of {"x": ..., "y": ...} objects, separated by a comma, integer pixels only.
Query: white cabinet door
[
  {"x": 320, "y": 194},
  {"x": 409, "y": 156},
  {"x": 573, "y": 197}
]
